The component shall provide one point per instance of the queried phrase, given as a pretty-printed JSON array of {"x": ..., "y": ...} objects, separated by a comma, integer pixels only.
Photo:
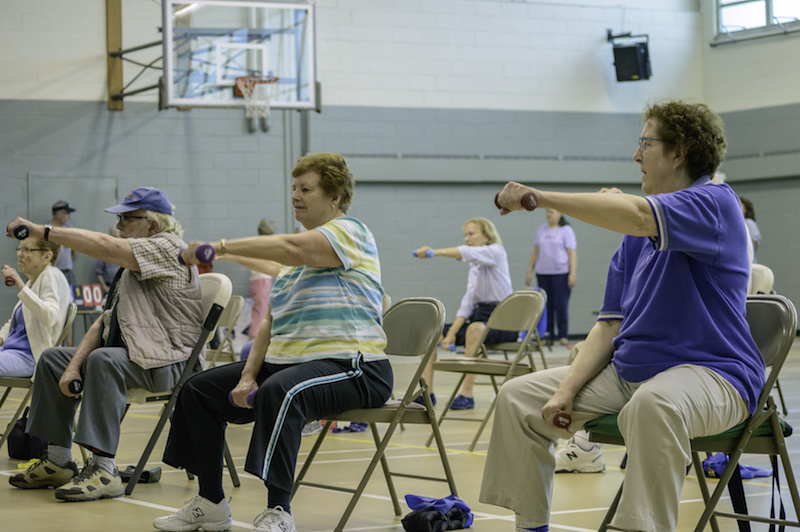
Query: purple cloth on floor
[{"x": 352, "y": 427}]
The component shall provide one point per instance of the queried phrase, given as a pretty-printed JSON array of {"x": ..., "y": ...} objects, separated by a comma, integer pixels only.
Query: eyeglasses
[
  {"x": 123, "y": 219},
  {"x": 27, "y": 251},
  {"x": 643, "y": 146}
]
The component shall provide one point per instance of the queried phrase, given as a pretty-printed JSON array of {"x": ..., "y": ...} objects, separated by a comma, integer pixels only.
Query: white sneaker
[
  {"x": 198, "y": 513},
  {"x": 575, "y": 459},
  {"x": 274, "y": 520}
]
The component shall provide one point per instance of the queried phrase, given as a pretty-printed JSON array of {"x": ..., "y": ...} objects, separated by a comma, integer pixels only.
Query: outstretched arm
[
  {"x": 422, "y": 253},
  {"x": 310, "y": 248},
  {"x": 98, "y": 245},
  {"x": 622, "y": 213}
]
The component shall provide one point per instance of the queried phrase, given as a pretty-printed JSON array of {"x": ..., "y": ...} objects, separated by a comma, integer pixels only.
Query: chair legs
[
  {"x": 447, "y": 406},
  {"x": 381, "y": 443}
]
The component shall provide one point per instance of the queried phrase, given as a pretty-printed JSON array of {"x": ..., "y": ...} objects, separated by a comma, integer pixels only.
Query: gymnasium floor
[{"x": 580, "y": 500}]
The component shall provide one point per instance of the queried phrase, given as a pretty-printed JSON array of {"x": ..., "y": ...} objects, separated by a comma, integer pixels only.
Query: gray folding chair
[
  {"x": 228, "y": 322},
  {"x": 413, "y": 327},
  {"x": 773, "y": 324},
  {"x": 520, "y": 311},
  {"x": 215, "y": 289},
  {"x": 27, "y": 382}
]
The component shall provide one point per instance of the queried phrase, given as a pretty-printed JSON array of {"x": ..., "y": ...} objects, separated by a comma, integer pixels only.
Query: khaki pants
[{"x": 657, "y": 418}]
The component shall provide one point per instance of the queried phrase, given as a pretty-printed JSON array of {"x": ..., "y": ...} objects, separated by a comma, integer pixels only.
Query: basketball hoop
[{"x": 257, "y": 92}]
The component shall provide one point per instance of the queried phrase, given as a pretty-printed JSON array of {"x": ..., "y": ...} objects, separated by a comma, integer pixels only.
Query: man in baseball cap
[
  {"x": 150, "y": 323},
  {"x": 61, "y": 215}
]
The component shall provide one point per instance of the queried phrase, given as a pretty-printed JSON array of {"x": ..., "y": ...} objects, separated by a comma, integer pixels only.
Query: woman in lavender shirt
[
  {"x": 555, "y": 261},
  {"x": 488, "y": 283}
]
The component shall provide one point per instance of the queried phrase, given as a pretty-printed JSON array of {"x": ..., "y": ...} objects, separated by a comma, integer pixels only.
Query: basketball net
[{"x": 257, "y": 92}]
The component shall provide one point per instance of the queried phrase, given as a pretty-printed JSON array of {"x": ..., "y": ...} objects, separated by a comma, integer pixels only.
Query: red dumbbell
[
  {"x": 562, "y": 419},
  {"x": 529, "y": 201}
]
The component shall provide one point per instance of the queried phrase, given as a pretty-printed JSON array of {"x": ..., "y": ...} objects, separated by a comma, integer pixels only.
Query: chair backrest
[
  {"x": 215, "y": 292},
  {"x": 520, "y": 311},
  {"x": 72, "y": 309},
  {"x": 773, "y": 325},
  {"x": 413, "y": 326},
  {"x": 763, "y": 279},
  {"x": 231, "y": 313}
]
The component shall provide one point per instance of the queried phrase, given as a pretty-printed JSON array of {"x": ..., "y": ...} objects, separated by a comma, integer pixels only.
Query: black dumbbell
[{"x": 75, "y": 386}]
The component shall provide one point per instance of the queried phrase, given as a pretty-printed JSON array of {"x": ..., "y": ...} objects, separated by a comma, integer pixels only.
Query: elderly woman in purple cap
[{"x": 150, "y": 323}]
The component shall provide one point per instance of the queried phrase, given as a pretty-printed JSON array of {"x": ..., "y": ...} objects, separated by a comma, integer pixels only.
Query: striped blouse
[{"x": 323, "y": 313}]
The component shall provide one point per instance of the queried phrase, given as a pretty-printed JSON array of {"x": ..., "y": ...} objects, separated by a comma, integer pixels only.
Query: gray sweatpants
[
  {"x": 657, "y": 417},
  {"x": 107, "y": 374}
]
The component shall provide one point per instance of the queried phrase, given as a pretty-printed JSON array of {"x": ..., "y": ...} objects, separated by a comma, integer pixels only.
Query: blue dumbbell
[{"x": 428, "y": 253}]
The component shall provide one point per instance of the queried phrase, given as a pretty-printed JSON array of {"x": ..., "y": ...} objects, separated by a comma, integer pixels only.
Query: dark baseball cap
[
  {"x": 62, "y": 205},
  {"x": 147, "y": 198}
]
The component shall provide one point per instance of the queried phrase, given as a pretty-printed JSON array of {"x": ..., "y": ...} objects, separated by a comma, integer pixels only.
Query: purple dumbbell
[
  {"x": 529, "y": 201},
  {"x": 251, "y": 397},
  {"x": 451, "y": 348},
  {"x": 428, "y": 253},
  {"x": 204, "y": 253}
]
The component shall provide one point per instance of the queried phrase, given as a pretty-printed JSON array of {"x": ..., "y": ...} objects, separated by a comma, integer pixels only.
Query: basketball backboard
[{"x": 210, "y": 43}]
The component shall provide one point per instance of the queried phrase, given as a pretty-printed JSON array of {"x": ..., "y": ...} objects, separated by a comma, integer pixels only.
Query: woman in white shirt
[
  {"x": 488, "y": 283},
  {"x": 38, "y": 317}
]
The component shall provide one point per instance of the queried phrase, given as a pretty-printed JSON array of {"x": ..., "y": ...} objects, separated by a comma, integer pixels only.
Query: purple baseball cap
[{"x": 147, "y": 198}]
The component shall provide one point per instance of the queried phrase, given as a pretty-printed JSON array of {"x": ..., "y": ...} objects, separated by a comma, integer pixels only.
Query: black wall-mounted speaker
[{"x": 632, "y": 62}]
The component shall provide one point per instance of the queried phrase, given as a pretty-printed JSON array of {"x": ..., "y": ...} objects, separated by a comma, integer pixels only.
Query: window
[{"x": 750, "y": 19}]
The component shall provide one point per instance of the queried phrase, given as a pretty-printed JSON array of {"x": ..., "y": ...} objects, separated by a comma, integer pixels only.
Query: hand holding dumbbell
[
  {"x": 21, "y": 232},
  {"x": 562, "y": 419},
  {"x": 528, "y": 202},
  {"x": 204, "y": 253},
  {"x": 75, "y": 386},
  {"x": 428, "y": 253},
  {"x": 251, "y": 397},
  {"x": 9, "y": 275}
]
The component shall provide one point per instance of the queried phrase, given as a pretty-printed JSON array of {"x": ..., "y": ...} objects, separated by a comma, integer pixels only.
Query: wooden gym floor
[{"x": 580, "y": 500}]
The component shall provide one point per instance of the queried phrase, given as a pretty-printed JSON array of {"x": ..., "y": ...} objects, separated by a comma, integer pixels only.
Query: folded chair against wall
[
  {"x": 27, "y": 382},
  {"x": 215, "y": 290},
  {"x": 773, "y": 324},
  {"x": 413, "y": 327},
  {"x": 520, "y": 311},
  {"x": 228, "y": 322}
]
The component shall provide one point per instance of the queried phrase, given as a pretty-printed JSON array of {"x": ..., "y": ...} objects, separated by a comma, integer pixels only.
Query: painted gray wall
[{"x": 420, "y": 174}]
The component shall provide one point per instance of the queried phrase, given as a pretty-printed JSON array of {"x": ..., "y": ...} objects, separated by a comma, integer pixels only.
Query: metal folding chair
[
  {"x": 520, "y": 311},
  {"x": 773, "y": 324},
  {"x": 413, "y": 327},
  {"x": 215, "y": 289},
  {"x": 227, "y": 322},
  {"x": 27, "y": 382}
]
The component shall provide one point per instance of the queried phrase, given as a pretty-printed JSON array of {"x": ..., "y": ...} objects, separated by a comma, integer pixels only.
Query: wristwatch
[{"x": 47, "y": 229}]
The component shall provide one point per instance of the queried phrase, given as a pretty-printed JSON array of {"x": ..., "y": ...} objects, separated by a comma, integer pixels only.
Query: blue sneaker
[
  {"x": 420, "y": 401},
  {"x": 462, "y": 403}
]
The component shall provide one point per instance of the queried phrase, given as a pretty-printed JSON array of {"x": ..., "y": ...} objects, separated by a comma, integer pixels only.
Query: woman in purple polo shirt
[
  {"x": 671, "y": 351},
  {"x": 555, "y": 261},
  {"x": 488, "y": 283}
]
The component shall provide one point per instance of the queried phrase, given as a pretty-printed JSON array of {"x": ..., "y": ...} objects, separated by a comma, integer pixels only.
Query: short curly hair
[
  {"x": 694, "y": 127},
  {"x": 335, "y": 177}
]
